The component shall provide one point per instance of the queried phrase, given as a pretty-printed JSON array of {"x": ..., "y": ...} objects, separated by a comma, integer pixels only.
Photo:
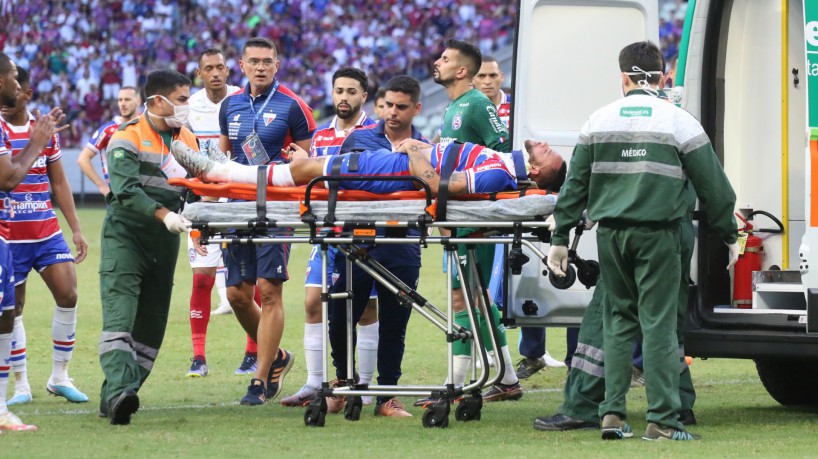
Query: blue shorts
[
  {"x": 313, "y": 278},
  {"x": 6, "y": 278},
  {"x": 249, "y": 262},
  {"x": 377, "y": 163},
  {"x": 39, "y": 255}
]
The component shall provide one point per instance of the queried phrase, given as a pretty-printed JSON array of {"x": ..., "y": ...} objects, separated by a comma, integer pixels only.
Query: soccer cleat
[
  {"x": 67, "y": 390},
  {"x": 222, "y": 310},
  {"x": 527, "y": 367},
  {"x": 199, "y": 165},
  {"x": 278, "y": 370},
  {"x": 654, "y": 433},
  {"x": 198, "y": 369},
  {"x": 255, "y": 393},
  {"x": 561, "y": 422},
  {"x": 637, "y": 377},
  {"x": 686, "y": 417},
  {"x": 216, "y": 154},
  {"x": 19, "y": 399},
  {"x": 615, "y": 428},
  {"x": 11, "y": 423},
  {"x": 301, "y": 398},
  {"x": 248, "y": 365},
  {"x": 501, "y": 392},
  {"x": 393, "y": 408},
  {"x": 552, "y": 362},
  {"x": 122, "y": 406}
]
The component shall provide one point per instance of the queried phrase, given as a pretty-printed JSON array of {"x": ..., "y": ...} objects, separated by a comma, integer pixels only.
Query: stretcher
[{"x": 361, "y": 219}]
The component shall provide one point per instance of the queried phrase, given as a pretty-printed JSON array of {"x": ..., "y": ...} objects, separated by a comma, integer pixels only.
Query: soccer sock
[
  {"x": 501, "y": 330},
  {"x": 221, "y": 275},
  {"x": 244, "y": 174},
  {"x": 509, "y": 375},
  {"x": 18, "y": 357},
  {"x": 461, "y": 319},
  {"x": 367, "y": 351},
  {"x": 200, "y": 311},
  {"x": 461, "y": 366},
  {"x": 5, "y": 354},
  {"x": 312, "y": 354},
  {"x": 63, "y": 332}
]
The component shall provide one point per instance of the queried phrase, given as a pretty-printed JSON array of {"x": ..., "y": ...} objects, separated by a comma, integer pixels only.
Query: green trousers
[
  {"x": 640, "y": 265},
  {"x": 135, "y": 279},
  {"x": 585, "y": 388}
]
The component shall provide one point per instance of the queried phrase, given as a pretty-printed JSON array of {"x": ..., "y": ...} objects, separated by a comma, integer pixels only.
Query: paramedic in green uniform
[
  {"x": 472, "y": 117},
  {"x": 140, "y": 241},
  {"x": 629, "y": 169}
]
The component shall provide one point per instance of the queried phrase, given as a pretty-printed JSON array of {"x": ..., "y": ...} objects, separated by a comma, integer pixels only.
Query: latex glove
[
  {"x": 176, "y": 223},
  {"x": 558, "y": 260},
  {"x": 589, "y": 224},
  {"x": 733, "y": 250},
  {"x": 551, "y": 223}
]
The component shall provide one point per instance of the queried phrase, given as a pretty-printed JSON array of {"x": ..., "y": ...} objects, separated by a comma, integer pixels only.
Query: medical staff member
[
  {"x": 140, "y": 241},
  {"x": 629, "y": 169},
  {"x": 255, "y": 125}
]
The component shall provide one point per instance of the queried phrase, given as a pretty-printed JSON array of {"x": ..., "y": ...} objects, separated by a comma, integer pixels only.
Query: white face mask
[{"x": 180, "y": 113}]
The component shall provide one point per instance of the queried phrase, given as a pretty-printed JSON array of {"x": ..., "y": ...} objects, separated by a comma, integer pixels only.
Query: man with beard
[
  {"x": 12, "y": 172},
  {"x": 128, "y": 103},
  {"x": 349, "y": 91}
]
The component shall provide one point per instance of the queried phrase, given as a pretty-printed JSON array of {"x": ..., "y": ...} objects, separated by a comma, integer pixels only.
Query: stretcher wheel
[
  {"x": 352, "y": 410},
  {"x": 469, "y": 409},
  {"x": 563, "y": 283},
  {"x": 437, "y": 415},
  {"x": 316, "y": 413},
  {"x": 589, "y": 275}
]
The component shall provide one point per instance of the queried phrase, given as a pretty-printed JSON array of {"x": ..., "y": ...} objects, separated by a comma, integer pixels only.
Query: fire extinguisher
[{"x": 749, "y": 259}]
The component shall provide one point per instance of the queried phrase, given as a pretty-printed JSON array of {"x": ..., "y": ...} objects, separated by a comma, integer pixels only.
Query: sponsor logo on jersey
[
  {"x": 64, "y": 256},
  {"x": 629, "y": 112},
  {"x": 268, "y": 118},
  {"x": 236, "y": 118},
  {"x": 457, "y": 121}
]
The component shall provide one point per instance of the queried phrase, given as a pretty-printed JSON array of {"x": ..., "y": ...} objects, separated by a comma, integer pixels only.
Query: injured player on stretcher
[{"x": 476, "y": 169}]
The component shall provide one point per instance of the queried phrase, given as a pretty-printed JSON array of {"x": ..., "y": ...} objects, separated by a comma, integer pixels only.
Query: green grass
[{"x": 202, "y": 418}]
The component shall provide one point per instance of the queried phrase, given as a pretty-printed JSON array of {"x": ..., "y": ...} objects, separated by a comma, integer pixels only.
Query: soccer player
[
  {"x": 349, "y": 87},
  {"x": 37, "y": 242},
  {"x": 379, "y": 103},
  {"x": 255, "y": 124},
  {"x": 128, "y": 103},
  {"x": 12, "y": 172},
  {"x": 209, "y": 270},
  {"x": 489, "y": 80}
]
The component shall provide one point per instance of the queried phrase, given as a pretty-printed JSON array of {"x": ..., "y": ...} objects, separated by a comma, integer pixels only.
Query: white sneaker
[
  {"x": 552, "y": 362},
  {"x": 222, "y": 309},
  {"x": 10, "y": 422}
]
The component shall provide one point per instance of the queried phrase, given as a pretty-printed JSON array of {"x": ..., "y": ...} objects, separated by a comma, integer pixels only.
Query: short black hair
[
  {"x": 209, "y": 52},
  {"x": 474, "y": 59},
  {"x": 164, "y": 82},
  {"x": 23, "y": 77},
  {"x": 380, "y": 93},
  {"x": 260, "y": 42},
  {"x": 5, "y": 63},
  {"x": 488, "y": 59},
  {"x": 646, "y": 56},
  {"x": 405, "y": 84},
  {"x": 557, "y": 180},
  {"x": 354, "y": 73}
]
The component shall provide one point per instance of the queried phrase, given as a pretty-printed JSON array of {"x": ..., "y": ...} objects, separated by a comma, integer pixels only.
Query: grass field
[{"x": 202, "y": 418}]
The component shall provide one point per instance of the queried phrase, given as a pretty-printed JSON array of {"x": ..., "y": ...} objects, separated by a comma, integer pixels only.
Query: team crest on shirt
[
  {"x": 457, "y": 122},
  {"x": 268, "y": 118}
]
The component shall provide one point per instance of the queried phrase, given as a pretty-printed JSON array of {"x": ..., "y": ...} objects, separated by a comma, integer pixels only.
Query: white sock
[
  {"x": 241, "y": 173},
  {"x": 312, "y": 354},
  {"x": 280, "y": 175},
  {"x": 509, "y": 375},
  {"x": 5, "y": 353},
  {"x": 461, "y": 365},
  {"x": 367, "y": 351},
  {"x": 63, "y": 332},
  {"x": 18, "y": 357},
  {"x": 221, "y": 276}
]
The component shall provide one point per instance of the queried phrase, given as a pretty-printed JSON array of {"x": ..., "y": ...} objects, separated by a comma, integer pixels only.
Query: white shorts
[{"x": 212, "y": 260}]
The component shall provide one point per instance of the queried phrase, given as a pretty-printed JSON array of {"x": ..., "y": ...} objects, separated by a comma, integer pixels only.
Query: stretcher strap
[
  {"x": 332, "y": 196},
  {"x": 446, "y": 169},
  {"x": 261, "y": 194}
]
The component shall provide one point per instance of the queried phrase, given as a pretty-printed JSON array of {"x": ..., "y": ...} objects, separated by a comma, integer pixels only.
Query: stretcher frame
[{"x": 516, "y": 233}]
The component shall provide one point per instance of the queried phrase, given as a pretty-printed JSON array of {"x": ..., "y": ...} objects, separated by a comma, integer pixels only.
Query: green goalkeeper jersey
[{"x": 472, "y": 117}]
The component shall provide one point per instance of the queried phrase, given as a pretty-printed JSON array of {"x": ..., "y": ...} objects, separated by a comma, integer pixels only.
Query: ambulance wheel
[
  {"x": 790, "y": 382},
  {"x": 563, "y": 283}
]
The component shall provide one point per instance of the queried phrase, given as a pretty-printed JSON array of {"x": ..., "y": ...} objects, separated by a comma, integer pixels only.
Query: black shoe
[
  {"x": 687, "y": 418},
  {"x": 255, "y": 393},
  {"x": 122, "y": 406},
  {"x": 278, "y": 370},
  {"x": 528, "y": 366},
  {"x": 560, "y": 422},
  {"x": 103, "y": 409}
]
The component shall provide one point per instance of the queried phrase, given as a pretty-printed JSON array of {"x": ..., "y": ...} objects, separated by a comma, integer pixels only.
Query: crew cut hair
[
  {"x": 471, "y": 54},
  {"x": 406, "y": 84},
  {"x": 646, "y": 56},
  {"x": 164, "y": 82}
]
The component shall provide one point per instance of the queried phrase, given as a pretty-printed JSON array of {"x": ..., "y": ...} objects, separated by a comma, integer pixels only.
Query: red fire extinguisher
[{"x": 749, "y": 260}]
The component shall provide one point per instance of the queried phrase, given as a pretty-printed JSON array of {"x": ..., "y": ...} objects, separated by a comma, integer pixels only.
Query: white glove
[
  {"x": 589, "y": 224},
  {"x": 551, "y": 223},
  {"x": 176, "y": 223},
  {"x": 558, "y": 260},
  {"x": 733, "y": 250}
]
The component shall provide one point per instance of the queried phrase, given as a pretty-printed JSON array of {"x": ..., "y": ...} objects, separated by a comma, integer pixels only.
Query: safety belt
[
  {"x": 450, "y": 157},
  {"x": 335, "y": 171}
]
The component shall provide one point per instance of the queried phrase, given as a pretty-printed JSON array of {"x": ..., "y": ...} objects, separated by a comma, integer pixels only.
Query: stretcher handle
[{"x": 366, "y": 178}]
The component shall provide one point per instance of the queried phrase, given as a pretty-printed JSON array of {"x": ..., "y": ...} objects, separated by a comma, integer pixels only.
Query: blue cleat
[
  {"x": 19, "y": 399},
  {"x": 67, "y": 390},
  {"x": 248, "y": 365},
  {"x": 256, "y": 394}
]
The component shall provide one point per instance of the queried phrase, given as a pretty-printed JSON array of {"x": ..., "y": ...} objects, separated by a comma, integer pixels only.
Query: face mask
[
  {"x": 179, "y": 117},
  {"x": 643, "y": 84}
]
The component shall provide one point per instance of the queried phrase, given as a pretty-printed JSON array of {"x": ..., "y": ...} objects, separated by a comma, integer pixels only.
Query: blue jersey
[
  {"x": 278, "y": 116},
  {"x": 486, "y": 171},
  {"x": 379, "y": 163},
  {"x": 373, "y": 137}
]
